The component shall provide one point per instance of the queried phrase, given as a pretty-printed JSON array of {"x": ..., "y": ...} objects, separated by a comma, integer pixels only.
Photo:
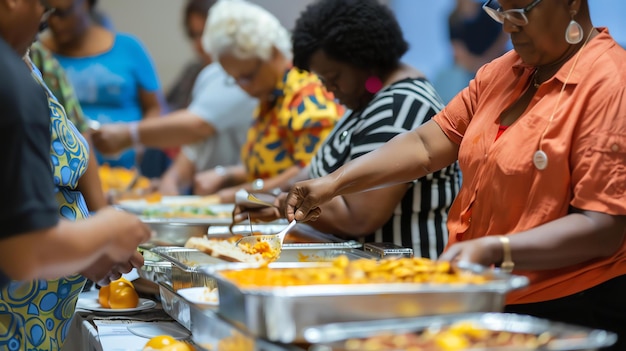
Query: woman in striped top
[{"x": 355, "y": 47}]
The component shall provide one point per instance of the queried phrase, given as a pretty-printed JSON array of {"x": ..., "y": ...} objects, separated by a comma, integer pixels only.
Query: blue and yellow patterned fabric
[{"x": 37, "y": 315}]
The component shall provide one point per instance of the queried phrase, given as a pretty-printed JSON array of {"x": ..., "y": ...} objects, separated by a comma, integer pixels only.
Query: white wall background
[{"x": 158, "y": 23}]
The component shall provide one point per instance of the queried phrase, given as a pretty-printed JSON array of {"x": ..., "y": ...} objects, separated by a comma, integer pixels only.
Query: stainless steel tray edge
[
  {"x": 281, "y": 313},
  {"x": 332, "y": 333}
]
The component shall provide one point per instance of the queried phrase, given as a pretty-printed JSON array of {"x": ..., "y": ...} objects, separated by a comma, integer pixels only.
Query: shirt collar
[{"x": 587, "y": 57}]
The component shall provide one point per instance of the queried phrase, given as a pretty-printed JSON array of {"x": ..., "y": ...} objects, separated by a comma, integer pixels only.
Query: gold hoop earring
[{"x": 574, "y": 32}]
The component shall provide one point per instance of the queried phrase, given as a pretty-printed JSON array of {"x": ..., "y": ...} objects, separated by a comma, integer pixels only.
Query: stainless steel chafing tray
[
  {"x": 332, "y": 337},
  {"x": 282, "y": 313},
  {"x": 184, "y": 264},
  {"x": 211, "y": 332}
]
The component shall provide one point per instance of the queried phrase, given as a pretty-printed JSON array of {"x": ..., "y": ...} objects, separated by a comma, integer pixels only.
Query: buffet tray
[
  {"x": 184, "y": 263},
  {"x": 282, "y": 313},
  {"x": 332, "y": 337},
  {"x": 211, "y": 332}
]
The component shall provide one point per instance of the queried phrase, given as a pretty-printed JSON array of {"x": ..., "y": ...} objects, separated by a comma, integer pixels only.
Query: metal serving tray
[
  {"x": 332, "y": 337},
  {"x": 208, "y": 330},
  {"x": 185, "y": 263},
  {"x": 282, "y": 313}
]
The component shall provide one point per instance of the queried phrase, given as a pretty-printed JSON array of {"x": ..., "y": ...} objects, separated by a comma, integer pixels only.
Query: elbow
[
  {"x": 363, "y": 226},
  {"x": 200, "y": 130}
]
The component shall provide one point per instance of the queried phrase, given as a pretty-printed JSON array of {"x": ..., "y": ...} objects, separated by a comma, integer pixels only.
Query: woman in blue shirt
[{"x": 112, "y": 73}]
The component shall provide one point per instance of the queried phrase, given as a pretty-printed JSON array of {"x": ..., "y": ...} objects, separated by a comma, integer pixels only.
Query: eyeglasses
[
  {"x": 246, "y": 79},
  {"x": 48, "y": 10},
  {"x": 515, "y": 16}
]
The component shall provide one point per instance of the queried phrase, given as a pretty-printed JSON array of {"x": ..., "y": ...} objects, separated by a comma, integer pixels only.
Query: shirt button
[{"x": 615, "y": 147}]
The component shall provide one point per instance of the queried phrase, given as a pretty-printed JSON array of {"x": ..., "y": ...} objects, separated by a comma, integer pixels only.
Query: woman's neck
[
  {"x": 78, "y": 46},
  {"x": 401, "y": 72},
  {"x": 545, "y": 72}
]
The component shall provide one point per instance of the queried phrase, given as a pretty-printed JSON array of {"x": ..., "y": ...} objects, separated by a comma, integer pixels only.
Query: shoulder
[
  {"x": 297, "y": 82},
  {"x": 129, "y": 42},
  {"x": 411, "y": 94}
]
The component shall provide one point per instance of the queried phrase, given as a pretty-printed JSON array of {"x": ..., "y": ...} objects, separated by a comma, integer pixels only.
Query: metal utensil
[
  {"x": 254, "y": 200},
  {"x": 275, "y": 241}
]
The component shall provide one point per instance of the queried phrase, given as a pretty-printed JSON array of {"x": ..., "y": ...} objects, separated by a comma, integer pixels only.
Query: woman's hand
[
  {"x": 304, "y": 199},
  {"x": 261, "y": 214},
  {"x": 485, "y": 251},
  {"x": 111, "y": 139},
  {"x": 207, "y": 182}
]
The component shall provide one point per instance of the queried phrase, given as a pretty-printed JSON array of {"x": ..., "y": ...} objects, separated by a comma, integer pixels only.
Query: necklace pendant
[{"x": 540, "y": 160}]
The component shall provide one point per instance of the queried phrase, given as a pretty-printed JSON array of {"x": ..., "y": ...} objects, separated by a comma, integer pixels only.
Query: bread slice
[{"x": 224, "y": 250}]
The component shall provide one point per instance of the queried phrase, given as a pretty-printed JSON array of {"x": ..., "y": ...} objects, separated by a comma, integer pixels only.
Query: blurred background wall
[{"x": 158, "y": 23}]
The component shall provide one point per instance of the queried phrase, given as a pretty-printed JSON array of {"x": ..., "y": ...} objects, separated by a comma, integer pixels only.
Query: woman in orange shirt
[{"x": 540, "y": 135}]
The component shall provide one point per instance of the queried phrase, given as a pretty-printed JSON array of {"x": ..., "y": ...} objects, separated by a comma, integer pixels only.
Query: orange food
[
  {"x": 159, "y": 342},
  {"x": 262, "y": 248},
  {"x": 363, "y": 271},
  {"x": 119, "y": 294},
  {"x": 167, "y": 343}
]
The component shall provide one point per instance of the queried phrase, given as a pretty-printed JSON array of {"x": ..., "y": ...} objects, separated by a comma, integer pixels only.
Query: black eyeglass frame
[{"x": 499, "y": 16}]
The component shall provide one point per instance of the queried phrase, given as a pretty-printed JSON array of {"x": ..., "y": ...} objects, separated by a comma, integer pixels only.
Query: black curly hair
[
  {"x": 200, "y": 7},
  {"x": 363, "y": 33}
]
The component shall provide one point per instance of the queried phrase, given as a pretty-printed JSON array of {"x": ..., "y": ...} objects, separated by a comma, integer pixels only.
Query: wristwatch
[{"x": 258, "y": 184}]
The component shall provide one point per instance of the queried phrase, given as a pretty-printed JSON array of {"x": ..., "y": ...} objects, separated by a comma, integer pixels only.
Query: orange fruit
[
  {"x": 159, "y": 342},
  {"x": 103, "y": 296},
  {"x": 123, "y": 297}
]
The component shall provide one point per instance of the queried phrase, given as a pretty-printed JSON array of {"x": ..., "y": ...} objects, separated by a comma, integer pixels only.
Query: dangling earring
[
  {"x": 373, "y": 84},
  {"x": 574, "y": 32}
]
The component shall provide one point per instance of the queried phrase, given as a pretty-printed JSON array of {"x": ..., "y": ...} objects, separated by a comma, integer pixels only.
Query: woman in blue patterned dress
[{"x": 37, "y": 314}]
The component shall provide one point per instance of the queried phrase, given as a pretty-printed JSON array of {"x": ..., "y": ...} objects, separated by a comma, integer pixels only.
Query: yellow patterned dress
[
  {"x": 287, "y": 131},
  {"x": 36, "y": 315}
]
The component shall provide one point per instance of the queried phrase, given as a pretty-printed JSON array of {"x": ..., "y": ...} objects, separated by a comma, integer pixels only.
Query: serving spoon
[{"x": 275, "y": 241}]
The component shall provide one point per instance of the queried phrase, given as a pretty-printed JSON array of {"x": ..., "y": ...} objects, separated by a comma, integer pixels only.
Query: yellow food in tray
[
  {"x": 117, "y": 181},
  {"x": 363, "y": 271},
  {"x": 459, "y": 336}
]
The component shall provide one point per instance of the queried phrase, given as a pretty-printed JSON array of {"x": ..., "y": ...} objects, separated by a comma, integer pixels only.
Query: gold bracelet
[{"x": 507, "y": 261}]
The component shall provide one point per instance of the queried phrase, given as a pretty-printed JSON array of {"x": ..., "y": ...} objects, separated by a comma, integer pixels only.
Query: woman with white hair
[{"x": 295, "y": 112}]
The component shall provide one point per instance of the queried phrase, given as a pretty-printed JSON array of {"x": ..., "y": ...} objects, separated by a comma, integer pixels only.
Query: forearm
[
  {"x": 359, "y": 214},
  {"x": 573, "y": 239},
  {"x": 406, "y": 157},
  {"x": 53, "y": 252},
  {"x": 175, "y": 129},
  {"x": 178, "y": 176},
  {"x": 90, "y": 185},
  {"x": 278, "y": 181}
]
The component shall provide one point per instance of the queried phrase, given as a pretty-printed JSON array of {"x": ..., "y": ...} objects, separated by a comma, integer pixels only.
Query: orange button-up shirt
[{"x": 504, "y": 193}]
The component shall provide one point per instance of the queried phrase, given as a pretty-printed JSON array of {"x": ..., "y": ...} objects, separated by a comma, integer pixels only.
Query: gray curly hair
[{"x": 244, "y": 30}]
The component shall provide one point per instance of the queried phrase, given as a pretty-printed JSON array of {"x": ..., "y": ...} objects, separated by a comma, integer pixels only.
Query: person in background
[
  {"x": 295, "y": 112},
  {"x": 355, "y": 47},
  {"x": 194, "y": 18},
  {"x": 532, "y": 133},
  {"x": 475, "y": 40},
  {"x": 35, "y": 135},
  {"x": 112, "y": 73},
  {"x": 212, "y": 127}
]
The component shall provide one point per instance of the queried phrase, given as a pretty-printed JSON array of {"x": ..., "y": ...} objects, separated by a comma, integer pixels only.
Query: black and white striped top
[{"x": 419, "y": 220}]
